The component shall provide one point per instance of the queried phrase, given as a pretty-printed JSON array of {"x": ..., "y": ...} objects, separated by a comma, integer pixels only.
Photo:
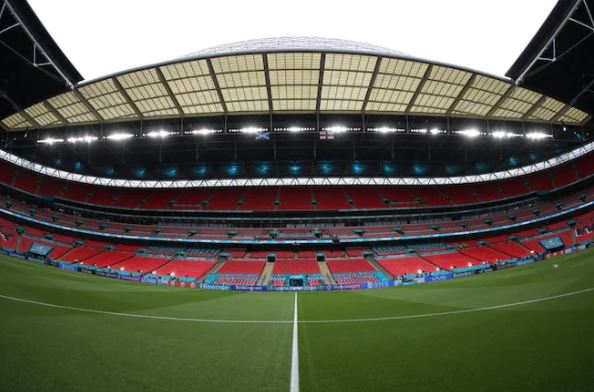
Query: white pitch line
[
  {"x": 295, "y": 352},
  {"x": 388, "y": 318}
]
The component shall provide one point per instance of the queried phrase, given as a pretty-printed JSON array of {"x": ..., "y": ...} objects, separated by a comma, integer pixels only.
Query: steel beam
[
  {"x": 461, "y": 94},
  {"x": 413, "y": 100},
  {"x": 217, "y": 86},
  {"x": 124, "y": 93},
  {"x": 165, "y": 84},
  {"x": 372, "y": 83}
]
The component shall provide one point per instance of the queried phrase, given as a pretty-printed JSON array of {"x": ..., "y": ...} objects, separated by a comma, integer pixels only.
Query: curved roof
[
  {"x": 286, "y": 75},
  {"x": 294, "y": 44}
]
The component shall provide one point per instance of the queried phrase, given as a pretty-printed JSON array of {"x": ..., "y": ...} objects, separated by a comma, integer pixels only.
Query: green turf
[{"x": 540, "y": 346}]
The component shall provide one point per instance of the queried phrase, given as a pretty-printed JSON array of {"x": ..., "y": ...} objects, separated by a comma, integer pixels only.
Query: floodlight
[
  {"x": 419, "y": 271},
  {"x": 470, "y": 264},
  {"x": 203, "y": 131},
  {"x": 537, "y": 135},
  {"x": 470, "y": 133},
  {"x": 435, "y": 131},
  {"x": 158, "y": 134},
  {"x": 387, "y": 130},
  {"x": 118, "y": 136},
  {"x": 251, "y": 130},
  {"x": 78, "y": 139},
  {"x": 50, "y": 141},
  {"x": 337, "y": 129},
  {"x": 295, "y": 129}
]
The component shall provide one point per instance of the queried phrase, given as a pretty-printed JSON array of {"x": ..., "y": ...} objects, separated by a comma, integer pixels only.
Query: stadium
[{"x": 297, "y": 213}]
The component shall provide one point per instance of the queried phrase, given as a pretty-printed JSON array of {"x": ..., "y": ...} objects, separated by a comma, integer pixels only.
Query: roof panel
[
  {"x": 248, "y": 106},
  {"x": 390, "y": 96},
  {"x": 403, "y": 67},
  {"x": 294, "y": 92},
  {"x": 244, "y": 94},
  {"x": 155, "y": 104},
  {"x": 442, "y": 89},
  {"x": 16, "y": 121},
  {"x": 252, "y": 62},
  {"x": 449, "y": 75},
  {"x": 200, "y": 83},
  {"x": 71, "y": 108},
  {"x": 277, "y": 61},
  {"x": 386, "y": 107},
  {"x": 241, "y": 79},
  {"x": 203, "y": 109},
  {"x": 41, "y": 114},
  {"x": 469, "y": 107},
  {"x": 547, "y": 110},
  {"x": 294, "y": 104},
  {"x": 350, "y": 62},
  {"x": 198, "y": 98},
  {"x": 112, "y": 112},
  {"x": 574, "y": 115},
  {"x": 341, "y": 106},
  {"x": 289, "y": 77},
  {"x": 147, "y": 91},
  {"x": 139, "y": 78},
  {"x": 345, "y": 78},
  {"x": 185, "y": 70},
  {"x": 396, "y": 82},
  {"x": 344, "y": 93},
  {"x": 98, "y": 88}
]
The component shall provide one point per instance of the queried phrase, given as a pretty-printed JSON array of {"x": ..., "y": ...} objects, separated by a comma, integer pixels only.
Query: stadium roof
[
  {"x": 294, "y": 75},
  {"x": 32, "y": 66},
  {"x": 559, "y": 61}
]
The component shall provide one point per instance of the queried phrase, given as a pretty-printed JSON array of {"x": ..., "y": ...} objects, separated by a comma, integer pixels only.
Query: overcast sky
[{"x": 105, "y": 36}]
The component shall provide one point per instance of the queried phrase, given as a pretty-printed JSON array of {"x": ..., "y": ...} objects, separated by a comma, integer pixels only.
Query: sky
[{"x": 101, "y": 37}]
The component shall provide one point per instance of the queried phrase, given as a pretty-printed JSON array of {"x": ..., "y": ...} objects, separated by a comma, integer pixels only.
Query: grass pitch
[{"x": 448, "y": 336}]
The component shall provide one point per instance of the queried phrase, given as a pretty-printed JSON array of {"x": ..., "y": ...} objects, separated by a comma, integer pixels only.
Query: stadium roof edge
[
  {"x": 36, "y": 28},
  {"x": 554, "y": 22},
  {"x": 199, "y": 55}
]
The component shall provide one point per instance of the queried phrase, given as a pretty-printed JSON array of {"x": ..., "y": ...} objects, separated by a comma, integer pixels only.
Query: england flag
[{"x": 326, "y": 135}]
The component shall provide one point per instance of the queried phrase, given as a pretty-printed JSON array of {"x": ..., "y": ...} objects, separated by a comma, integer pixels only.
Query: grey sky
[{"x": 102, "y": 37}]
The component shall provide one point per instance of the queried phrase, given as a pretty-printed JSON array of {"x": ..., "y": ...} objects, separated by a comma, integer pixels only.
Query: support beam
[
  {"x": 461, "y": 94},
  {"x": 122, "y": 91},
  {"x": 37, "y": 46},
  {"x": 53, "y": 110},
  {"x": 378, "y": 63},
  {"x": 551, "y": 40},
  {"x": 17, "y": 109},
  {"x": 320, "y": 82},
  {"x": 217, "y": 86},
  {"x": 503, "y": 98},
  {"x": 413, "y": 100},
  {"x": 268, "y": 86},
  {"x": 165, "y": 84},
  {"x": 536, "y": 105},
  {"x": 89, "y": 107}
]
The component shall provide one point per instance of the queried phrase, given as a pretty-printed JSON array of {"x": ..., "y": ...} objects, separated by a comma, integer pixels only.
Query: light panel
[
  {"x": 71, "y": 108},
  {"x": 41, "y": 114},
  {"x": 16, "y": 121},
  {"x": 294, "y": 61},
  {"x": 228, "y": 64},
  {"x": 517, "y": 104},
  {"x": 547, "y": 110}
]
